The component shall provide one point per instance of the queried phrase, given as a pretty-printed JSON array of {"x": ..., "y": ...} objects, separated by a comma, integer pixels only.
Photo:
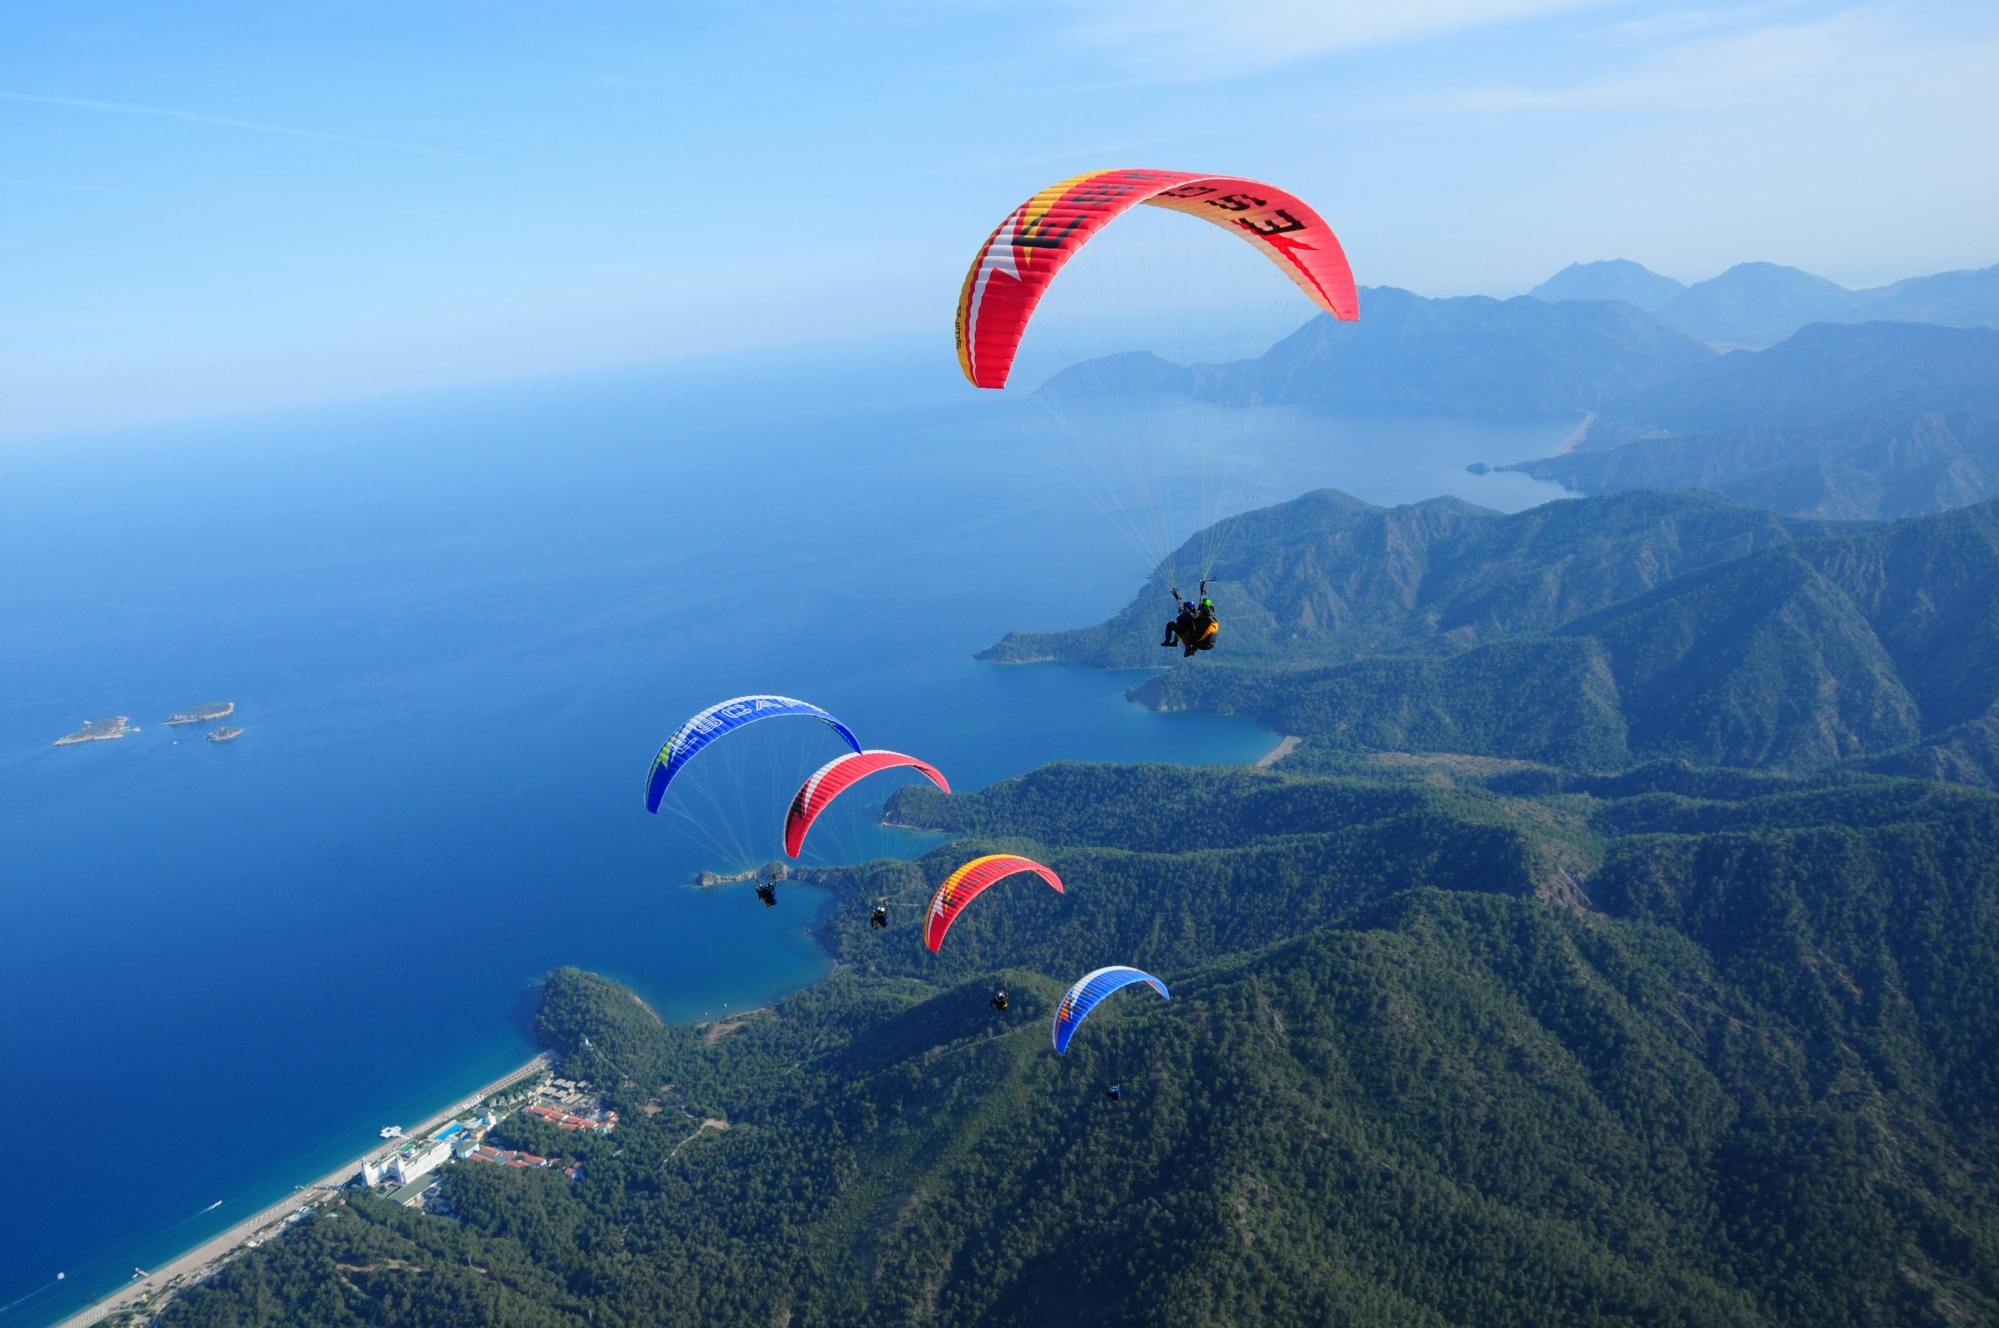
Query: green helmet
[{"x": 1207, "y": 603}]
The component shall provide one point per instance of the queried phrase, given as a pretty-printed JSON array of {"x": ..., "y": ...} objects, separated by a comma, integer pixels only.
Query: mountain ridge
[
  {"x": 1594, "y": 634},
  {"x": 1758, "y": 304}
]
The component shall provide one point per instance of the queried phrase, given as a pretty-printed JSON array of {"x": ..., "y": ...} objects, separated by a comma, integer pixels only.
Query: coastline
[
  {"x": 1285, "y": 746},
  {"x": 194, "y": 1264},
  {"x": 1575, "y": 436}
]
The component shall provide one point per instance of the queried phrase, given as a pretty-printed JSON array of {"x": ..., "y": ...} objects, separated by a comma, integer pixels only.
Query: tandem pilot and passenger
[{"x": 1195, "y": 627}]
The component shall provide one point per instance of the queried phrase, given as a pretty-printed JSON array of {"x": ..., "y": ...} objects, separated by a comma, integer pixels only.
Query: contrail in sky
[{"x": 229, "y": 122}]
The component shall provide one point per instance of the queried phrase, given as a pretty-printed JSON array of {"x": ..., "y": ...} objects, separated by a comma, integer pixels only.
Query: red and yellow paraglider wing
[
  {"x": 1022, "y": 255},
  {"x": 967, "y": 883},
  {"x": 1020, "y": 258}
]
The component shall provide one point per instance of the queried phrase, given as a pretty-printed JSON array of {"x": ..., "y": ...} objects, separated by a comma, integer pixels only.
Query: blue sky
[{"x": 238, "y": 206}]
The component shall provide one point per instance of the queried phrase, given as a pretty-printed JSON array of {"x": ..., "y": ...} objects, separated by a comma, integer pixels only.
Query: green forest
[{"x": 1456, "y": 1043}]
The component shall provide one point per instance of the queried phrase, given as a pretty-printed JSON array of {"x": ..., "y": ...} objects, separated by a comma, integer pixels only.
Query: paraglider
[
  {"x": 1090, "y": 991},
  {"x": 767, "y": 891},
  {"x": 1164, "y": 451},
  {"x": 829, "y": 781},
  {"x": 1114, "y": 1094},
  {"x": 1013, "y": 268},
  {"x": 999, "y": 1001},
  {"x": 967, "y": 883},
  {"x": 1196, "y": 626},
  {"x": 879, "y": 918},
  {"x": 721, "y": 718}
]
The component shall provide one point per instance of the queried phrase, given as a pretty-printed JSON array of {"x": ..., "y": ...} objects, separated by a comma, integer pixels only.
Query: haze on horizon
[{"x": 241, "y": 209}]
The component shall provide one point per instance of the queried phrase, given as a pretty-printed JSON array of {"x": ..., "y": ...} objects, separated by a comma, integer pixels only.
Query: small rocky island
[
  {"x": 203, "y": 714},
  {"x": 227, "y": 733},
  {"x": 99, "y": 730}
]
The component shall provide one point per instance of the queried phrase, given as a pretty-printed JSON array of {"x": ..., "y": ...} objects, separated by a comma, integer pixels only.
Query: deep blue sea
[{"x": 456, "y": 629}]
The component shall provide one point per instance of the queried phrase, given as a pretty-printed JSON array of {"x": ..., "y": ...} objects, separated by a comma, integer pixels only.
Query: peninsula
[
  {"x": 774, "y": 871},
  {"x": 203, "y": 714},
  {"x": 99, "y": 730}
]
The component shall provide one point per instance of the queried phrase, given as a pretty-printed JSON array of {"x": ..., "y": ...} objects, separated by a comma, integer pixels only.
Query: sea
[{"x": 456, "y": 628}]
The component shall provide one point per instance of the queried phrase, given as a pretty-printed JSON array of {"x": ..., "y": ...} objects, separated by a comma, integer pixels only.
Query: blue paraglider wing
[
  {"x": 726, "y": 717},
  {"x": 1090, "y": 991}
]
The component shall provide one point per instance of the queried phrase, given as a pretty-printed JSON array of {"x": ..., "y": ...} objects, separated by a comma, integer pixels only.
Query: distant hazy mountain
[
  {"x": 1471, "y": 356},
  {"x": 1826, "y": 374},
  {"x": 1967, "y": 298},
  {"x": 1760, "y": 304},
  {"x": 1841, "y": 420},
  {"x": 1863, "y": 468},
  {"x": 1596, "y": 633},
  {"x": 1613, "y": 279},
  {"x": 1755, "y": 304},
  {"x": 1584, "y": 341}
]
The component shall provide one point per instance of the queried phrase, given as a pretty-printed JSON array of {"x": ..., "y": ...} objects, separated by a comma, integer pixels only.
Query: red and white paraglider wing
[{"x": 838, "y": 775}]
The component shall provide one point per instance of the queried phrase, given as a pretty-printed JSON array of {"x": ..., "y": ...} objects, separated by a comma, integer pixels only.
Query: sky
[{"x": 219, "y": 209}]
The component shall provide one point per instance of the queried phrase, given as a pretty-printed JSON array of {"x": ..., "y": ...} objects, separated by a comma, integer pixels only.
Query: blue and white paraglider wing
[
  {"x": 721, "y": 718},
  {"x": 1090, "y": 991}
]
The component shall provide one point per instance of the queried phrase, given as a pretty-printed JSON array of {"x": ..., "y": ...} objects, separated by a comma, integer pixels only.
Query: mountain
[
  {"x": 1828, "y": 374},
  {"x": 1756, "y": 304},
  {"x": 1594, "y": 634},
  {"x": 1541, "y": 356},
  {"x": 1521, "y": 358},
  {"x": 1614, "y": 279},
  {"x": 1651, "y": 1050},
  {"x": 1760, "y": 304},
  {"x": 1841, "y": 420},
  {"x": 1329, "y": 577},
  {"x": 1850, "y": 470},
  {"x": 1967, "y": 298}
]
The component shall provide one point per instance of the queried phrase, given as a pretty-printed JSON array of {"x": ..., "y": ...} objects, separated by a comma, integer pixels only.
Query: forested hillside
[
  {"x": 1853, "y": 470},
  {"x": 1672, "y": 1047},
  {"x": 1593, "y": 635}
]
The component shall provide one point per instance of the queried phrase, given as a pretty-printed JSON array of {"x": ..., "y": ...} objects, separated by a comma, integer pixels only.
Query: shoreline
[
  {"x": 1575, "y": 436},
  {"x": 198, "y": 1262},
  {"x": 1285, "y": 746}
]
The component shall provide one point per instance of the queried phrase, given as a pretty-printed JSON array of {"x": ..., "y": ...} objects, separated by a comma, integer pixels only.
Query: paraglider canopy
[
  {"x": 970, "y": 881},
  {"x": 1090, "y": 991},
  {"x": 721, "y": 718},
  {"x": 1014, "y": 267},
  {"x": 838, "y": 775}
]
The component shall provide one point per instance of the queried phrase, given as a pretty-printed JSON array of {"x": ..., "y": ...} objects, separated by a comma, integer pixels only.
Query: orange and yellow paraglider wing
[{"x": 967, "y": 883}]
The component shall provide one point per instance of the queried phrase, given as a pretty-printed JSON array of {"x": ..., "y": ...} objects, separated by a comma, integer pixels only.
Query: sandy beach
[
  {"x": 198, "y": 1262},
  {"x": 1287, "y": 745}
]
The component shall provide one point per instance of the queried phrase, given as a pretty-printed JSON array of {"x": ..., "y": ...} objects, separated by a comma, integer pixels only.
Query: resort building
[{"x": 416, "y": 1162}]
